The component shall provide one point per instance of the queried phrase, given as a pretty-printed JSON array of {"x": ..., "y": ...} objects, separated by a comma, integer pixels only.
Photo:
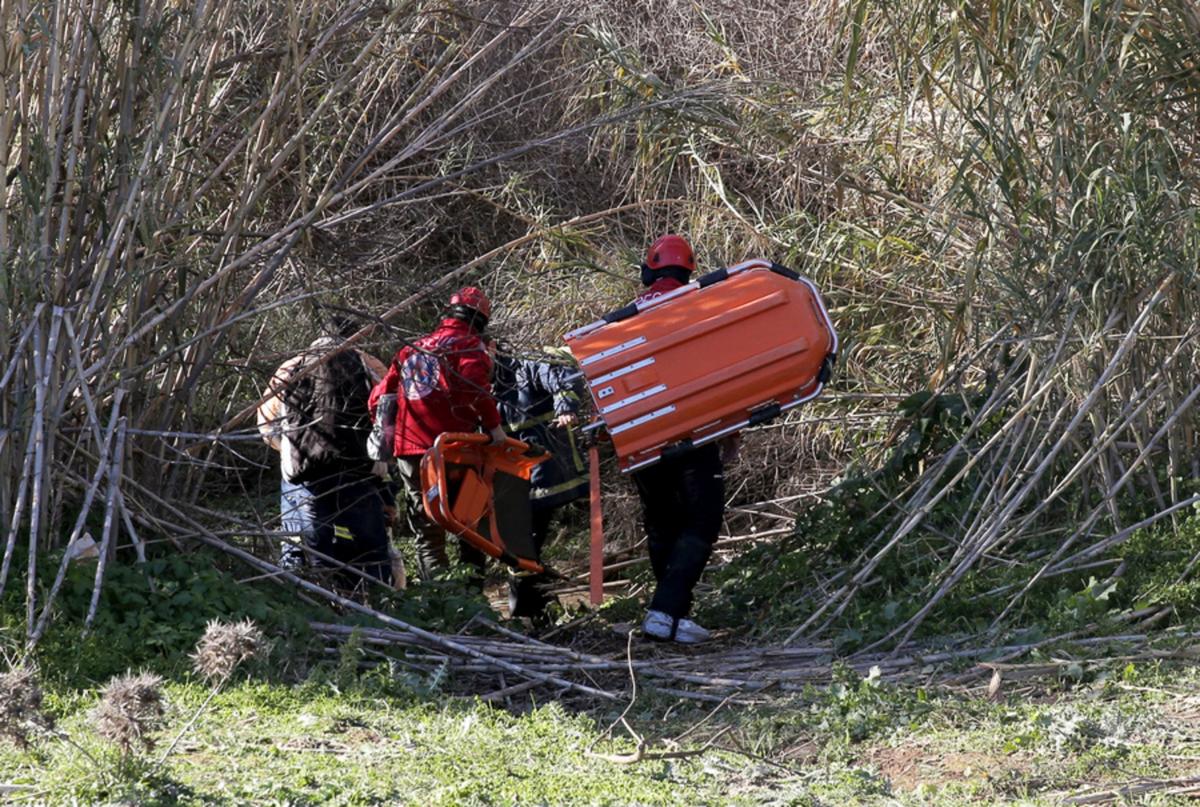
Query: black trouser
[
  {"x": 683, "y": 502},
  {"x": 528, "y": 593},
  {"x": 430, "y": 537},
  {"x": 340, "y": 516}
]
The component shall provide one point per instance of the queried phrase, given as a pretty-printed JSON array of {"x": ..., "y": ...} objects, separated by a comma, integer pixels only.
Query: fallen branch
[{"x": 1175, "y": 787}]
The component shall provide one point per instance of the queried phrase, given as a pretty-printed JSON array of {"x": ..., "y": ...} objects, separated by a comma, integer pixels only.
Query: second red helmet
[
  {"x": 472, "y": 297},
  {"x": 671, "y": 250}
]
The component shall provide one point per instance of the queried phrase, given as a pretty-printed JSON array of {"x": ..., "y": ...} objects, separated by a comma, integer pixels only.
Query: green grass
[
  {"x": 374, "y": 741},
  {"x": 312, "y": 744}
]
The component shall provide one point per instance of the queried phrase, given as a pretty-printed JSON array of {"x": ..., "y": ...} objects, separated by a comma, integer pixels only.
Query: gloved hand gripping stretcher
[
  {"x": 479, "y": 490},
  {"x": 734, "y": 348}
]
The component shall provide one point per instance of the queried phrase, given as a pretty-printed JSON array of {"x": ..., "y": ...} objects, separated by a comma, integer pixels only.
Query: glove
[{"x": 497, "y": 434}]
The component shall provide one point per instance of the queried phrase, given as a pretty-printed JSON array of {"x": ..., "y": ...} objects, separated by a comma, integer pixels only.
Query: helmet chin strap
[
  {"x": 471, "y": 316},
  {"x": 650, "y": 275}
]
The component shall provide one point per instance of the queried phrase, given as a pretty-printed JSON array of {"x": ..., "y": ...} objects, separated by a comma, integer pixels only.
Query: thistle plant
[
  {"x": 220, "y": 651},
  {"x": 21, "y": 705},
  {"x": 131, "y": 709},
  {"x": 224, "y": 647}
]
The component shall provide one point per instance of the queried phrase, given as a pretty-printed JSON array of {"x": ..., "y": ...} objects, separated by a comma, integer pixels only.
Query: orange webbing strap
[
  {"x": 596, "y": 565},
  {"x": 489, "y": 479}
]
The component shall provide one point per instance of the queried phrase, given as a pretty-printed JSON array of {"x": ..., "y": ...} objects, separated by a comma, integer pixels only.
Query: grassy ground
[
  {"x": 372, "y": 739},
  {"x": 301, "y": 726}
]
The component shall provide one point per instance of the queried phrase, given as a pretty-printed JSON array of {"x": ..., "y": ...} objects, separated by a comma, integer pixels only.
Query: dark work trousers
[
  {"x": 527, "y": 593},
  {"x": 430, "y": 537},
  {"x": 683, "y": 503},
  {"x": 342, "y": 517}
]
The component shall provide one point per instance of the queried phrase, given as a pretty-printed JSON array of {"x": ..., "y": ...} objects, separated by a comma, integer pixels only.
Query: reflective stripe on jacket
[{"x": 531, "y": 394}]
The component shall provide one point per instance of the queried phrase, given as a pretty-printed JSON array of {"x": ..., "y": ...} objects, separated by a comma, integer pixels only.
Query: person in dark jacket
[
  {"x": 683, "y": 497},
  {"x": 442, "y": 383},
  {"x": 540, "y": 403},
  {"x": 332, "y": 496}
]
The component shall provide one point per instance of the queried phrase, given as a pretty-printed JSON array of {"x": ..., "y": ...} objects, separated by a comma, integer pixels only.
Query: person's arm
[
  {"x": 389, "y": 383},
  {"x": 556, "y": 380},
  {"x": 272, "y": 411},
  {"x": 560, "y": 383}
]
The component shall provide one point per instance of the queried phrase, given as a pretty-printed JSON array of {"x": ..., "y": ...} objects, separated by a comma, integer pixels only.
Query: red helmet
[
  {"x": 471, "y": 297},
  {"x": 671, "y": 250}
]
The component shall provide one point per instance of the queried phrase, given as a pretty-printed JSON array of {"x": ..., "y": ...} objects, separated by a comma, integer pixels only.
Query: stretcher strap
[
  {"x": 489, "y": 479},
  {"x": 596, "y": 563}
]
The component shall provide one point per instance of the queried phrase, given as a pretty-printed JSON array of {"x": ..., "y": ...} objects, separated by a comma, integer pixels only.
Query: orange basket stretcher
[
  {"x": 480, "y": 492},
  {"x": 734, "y": 348}
]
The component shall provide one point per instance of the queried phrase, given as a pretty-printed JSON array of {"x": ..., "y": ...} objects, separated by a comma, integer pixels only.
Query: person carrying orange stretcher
[
  {"x": 442, "y": 383},
  {"x": 683, "y": 496}
]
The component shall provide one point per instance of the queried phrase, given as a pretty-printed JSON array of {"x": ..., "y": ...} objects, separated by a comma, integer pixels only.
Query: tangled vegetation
[{"x": 998, "y": 201}]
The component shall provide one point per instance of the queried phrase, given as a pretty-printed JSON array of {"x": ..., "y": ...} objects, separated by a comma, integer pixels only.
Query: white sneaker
[{"x": 659, "y": 625}]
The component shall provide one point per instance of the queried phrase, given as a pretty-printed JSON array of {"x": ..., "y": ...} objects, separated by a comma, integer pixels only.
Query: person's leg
[
  {"x": 476, "y": 559},
  {"x": 658, "y": 489},
  {"x": 360, "y": 529},
  {"x": 702, "y": 494},
  {"x": 540, "y": 526},
  {"x": 527, "y": 593},
  {"x": 430, "y": 538},
  {"x": 297, "y": 518},
  {"x": 324, "y": 508},
  {"x": 389, "y": 493}
]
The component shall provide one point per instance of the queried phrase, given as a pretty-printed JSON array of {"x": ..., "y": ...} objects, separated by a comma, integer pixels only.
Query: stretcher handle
[
  {"x": 634, "y": 308},
  {"x": 596, "y": 523},
  {"x": 702, "y": 282},
  {"x": 511, "y": 445}
]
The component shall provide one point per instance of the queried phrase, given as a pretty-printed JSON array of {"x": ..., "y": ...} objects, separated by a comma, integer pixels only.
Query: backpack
[
  {"x": 327, "y": 422},
  {"x": 381, "y": 444}
]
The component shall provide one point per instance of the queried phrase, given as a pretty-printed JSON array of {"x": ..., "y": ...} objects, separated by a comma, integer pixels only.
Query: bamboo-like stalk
[
  {"x": 167, "y": 172},
  {"x": 17, "y": 514},
  {"x": 113, "y": 473},
  {"x": 449, "y": 644},
  {"x": 41, "y": 363},
  {"x": 1031, "y": 479},
  {"x": 103, "y": 468},
  {"x": 139, "y": 546},
  {"x": 22, "y": 340}
]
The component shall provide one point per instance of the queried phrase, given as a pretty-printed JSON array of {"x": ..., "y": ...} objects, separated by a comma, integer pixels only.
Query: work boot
[
  {"x": 291, "y": 557},
  {"x": 528, "y": 596},
  {"x": 664, "y": 627}
]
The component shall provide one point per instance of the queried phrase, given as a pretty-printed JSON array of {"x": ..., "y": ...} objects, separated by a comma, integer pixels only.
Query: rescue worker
[
  {"x": 332, "y": 495},
  {"x": 683, "y": 496},
  {"x": 540, "y": 403},
  {"x": 442, "y": 383}
]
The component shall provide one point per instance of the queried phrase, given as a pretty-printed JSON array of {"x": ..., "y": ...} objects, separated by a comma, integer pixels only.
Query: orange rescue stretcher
[
  {"x": 480, "y": 492},
  {"x": 734, "y": 348}
]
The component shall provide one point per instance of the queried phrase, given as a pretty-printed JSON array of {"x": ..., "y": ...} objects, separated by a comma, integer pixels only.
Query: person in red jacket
[{"x": 442, "y": 383}]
